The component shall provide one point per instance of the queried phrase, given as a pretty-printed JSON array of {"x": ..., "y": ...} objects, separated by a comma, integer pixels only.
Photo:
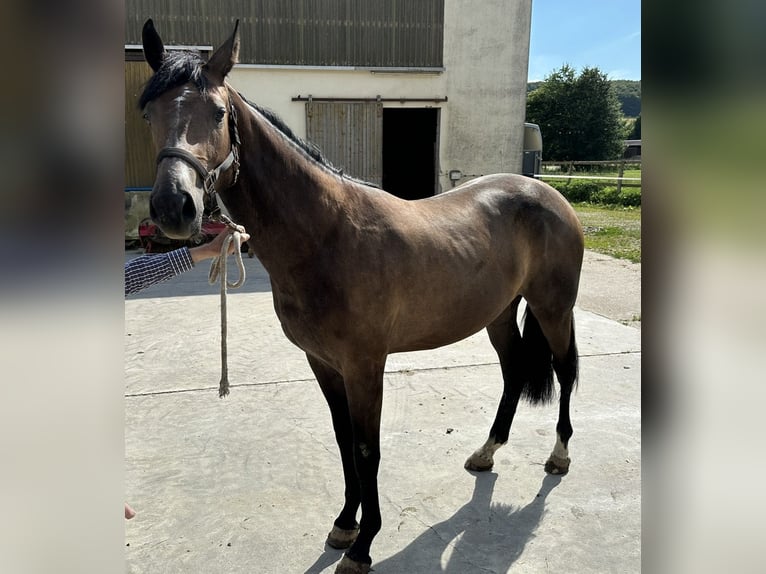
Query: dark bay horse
[{"x": 357, "y": 273}]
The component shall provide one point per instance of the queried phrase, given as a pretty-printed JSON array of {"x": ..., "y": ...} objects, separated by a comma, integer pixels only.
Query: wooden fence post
[{"x": 620, "y": 173}]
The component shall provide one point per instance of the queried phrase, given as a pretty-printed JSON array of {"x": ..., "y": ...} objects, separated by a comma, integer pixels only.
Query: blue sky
[{"x": 605, "y": 34}]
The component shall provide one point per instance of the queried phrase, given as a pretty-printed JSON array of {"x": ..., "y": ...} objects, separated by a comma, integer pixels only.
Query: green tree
[
  {"x": 579, "y": 116},
  {"x": 635, "y": 133}
]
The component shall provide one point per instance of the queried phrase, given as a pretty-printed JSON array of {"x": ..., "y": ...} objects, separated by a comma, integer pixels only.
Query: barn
[{"x": 414, "y": 95}]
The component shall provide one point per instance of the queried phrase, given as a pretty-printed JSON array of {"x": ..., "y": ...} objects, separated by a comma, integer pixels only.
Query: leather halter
[{"x": 209, "y": 177}]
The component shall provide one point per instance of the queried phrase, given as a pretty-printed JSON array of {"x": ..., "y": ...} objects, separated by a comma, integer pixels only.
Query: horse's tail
[
  {"x": 568, "y": 370},
  {"x": 539, "y": 362}
]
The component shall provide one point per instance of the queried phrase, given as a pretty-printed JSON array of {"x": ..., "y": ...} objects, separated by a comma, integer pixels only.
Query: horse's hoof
[
  {"x": 478, "y": 462},
  {"x": 340, "y": 538},
  {"x": 348, "y": 566},
  {"x": 557, "y": 465}
]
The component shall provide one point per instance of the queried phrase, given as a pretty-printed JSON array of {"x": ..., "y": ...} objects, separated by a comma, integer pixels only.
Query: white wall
[{"x": 486, "y": 54}]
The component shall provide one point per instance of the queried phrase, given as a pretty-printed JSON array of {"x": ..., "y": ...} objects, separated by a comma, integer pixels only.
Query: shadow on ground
[{"x": 480, "y": 536}]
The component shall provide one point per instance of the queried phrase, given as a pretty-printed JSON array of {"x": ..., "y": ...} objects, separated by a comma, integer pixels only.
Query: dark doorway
[{"x": 410, "y": 151}]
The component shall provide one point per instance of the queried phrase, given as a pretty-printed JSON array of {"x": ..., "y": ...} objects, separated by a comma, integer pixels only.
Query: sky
[{"x": 603, "y": 34}]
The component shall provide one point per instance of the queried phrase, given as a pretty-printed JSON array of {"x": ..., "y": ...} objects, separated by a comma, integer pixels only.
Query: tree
[
  {"x": 628, "y": 93},
  {"x": 579, "y": 116},
  {"x": 635, "y": 133}
]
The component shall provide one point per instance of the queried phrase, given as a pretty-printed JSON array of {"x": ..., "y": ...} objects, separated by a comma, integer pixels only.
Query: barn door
[
  {"x": 350, "y": 135},
  {"x": 140, "y": 164}
]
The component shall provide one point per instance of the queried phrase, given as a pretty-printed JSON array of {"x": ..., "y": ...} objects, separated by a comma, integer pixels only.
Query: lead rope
[{"x": 218, "y": 267}]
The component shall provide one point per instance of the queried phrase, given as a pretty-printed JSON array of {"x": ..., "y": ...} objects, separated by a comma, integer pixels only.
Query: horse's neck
[{"x": 284, "y": 198}]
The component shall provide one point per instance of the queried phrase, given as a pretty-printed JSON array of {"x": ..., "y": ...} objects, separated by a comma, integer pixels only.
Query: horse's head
[{"x": 186, "y": 103}]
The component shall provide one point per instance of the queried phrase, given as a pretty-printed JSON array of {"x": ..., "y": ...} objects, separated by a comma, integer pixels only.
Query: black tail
[
  {"x": 538, "y": 362},
  {"x": 568, "y": 370}
]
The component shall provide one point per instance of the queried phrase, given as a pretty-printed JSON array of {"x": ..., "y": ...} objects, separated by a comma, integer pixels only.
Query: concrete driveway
[{"x": 251, "y": 483}]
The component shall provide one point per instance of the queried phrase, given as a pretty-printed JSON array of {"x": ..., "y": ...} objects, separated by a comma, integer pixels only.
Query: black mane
[
  {"x": 313, "y": 151},
  {"x": 307, "y": 147},
  {"x": 182, "y": 66}
]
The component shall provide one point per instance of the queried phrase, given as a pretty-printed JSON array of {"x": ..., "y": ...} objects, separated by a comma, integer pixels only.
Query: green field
[{"x": 614, "y": 231}]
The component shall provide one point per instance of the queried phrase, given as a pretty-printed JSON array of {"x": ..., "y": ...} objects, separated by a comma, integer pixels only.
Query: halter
[{"x": 209, "y": 177}]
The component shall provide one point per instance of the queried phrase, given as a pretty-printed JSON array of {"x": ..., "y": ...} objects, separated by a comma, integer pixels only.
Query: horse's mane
[
  {"x": 182, "y": 66},
  {"x": 307, "y": 147}
]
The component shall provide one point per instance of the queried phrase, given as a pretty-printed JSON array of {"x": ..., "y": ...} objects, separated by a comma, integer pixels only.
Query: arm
[{"x": 147, "y": 270}]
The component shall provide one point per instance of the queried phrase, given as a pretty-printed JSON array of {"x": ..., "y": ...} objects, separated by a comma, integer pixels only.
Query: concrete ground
[
  {"x": 611, "y": 287},
  {"x": 251, "y": 483}
]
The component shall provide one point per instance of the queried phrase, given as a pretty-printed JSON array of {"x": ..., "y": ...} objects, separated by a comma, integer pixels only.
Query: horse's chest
[
  {"x": 310, "y": 324},
  {"x": 295, "y": 326}
]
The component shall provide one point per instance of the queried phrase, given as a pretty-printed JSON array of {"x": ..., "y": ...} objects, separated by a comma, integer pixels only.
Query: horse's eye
[
  {"x": 219, "y": 114},
  {"x": 146, "y": 117}
]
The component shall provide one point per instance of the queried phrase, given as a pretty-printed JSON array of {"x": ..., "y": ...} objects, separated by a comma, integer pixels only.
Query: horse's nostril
[{"x": 188, "y": 210}]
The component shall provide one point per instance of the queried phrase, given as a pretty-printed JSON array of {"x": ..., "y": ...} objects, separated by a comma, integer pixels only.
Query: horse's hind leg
[
  {"x": 345, "y": 528},
  {"x": 560, "y": 333},
  {"x": 506, "y": 339}
]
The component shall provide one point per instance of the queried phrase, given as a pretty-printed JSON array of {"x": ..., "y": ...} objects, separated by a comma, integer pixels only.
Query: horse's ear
[
  {"x": 224, "y": 58},
  {"x": 154, "y": 49}
]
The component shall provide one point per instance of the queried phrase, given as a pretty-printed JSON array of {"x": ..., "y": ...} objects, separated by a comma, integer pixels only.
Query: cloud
[{"x": 623, "y": 74}]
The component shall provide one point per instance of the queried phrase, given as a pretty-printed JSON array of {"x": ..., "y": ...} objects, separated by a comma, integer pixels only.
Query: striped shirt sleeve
[{"x": 146, "y": 270}]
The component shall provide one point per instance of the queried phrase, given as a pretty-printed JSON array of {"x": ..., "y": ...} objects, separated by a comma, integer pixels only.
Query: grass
[
  {"x": 611, "y": 221},
  {"x": 614, "y": 231}
]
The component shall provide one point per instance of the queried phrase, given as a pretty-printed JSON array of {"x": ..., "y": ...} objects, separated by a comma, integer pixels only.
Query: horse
[{"x": 357, "y": 273}]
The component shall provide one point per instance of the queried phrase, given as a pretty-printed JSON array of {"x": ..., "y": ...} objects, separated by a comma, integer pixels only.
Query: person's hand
[
  {"x": 213, "y": 249},
  {"x": 216, "y": 244}
]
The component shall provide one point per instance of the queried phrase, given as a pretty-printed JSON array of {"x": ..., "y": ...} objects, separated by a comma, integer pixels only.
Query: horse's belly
[
  {"x": 431, "y": 340},
  {"x": 432, "y": 326}
]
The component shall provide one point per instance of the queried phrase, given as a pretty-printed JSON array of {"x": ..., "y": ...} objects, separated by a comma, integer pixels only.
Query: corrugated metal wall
[
  {"x": 360, "y": 33},
  {"x": 350, "y": 135}
]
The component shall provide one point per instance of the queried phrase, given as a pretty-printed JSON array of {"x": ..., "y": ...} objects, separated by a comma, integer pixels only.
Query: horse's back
[
  {"x": 521, "y": 191},
  {"x": 509, "y": 209}
]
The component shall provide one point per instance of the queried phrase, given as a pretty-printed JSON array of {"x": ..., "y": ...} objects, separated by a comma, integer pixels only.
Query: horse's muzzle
[{"x": 175, "y": 212}]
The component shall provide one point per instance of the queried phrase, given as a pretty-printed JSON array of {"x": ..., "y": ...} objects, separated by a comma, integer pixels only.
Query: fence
[{"x": 566, "y": 169}]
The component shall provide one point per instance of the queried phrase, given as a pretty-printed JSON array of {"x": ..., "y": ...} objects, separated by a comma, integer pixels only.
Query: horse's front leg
[
  {"x": 345, "y": 528},
  {"x": 364, "y": 391}
]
